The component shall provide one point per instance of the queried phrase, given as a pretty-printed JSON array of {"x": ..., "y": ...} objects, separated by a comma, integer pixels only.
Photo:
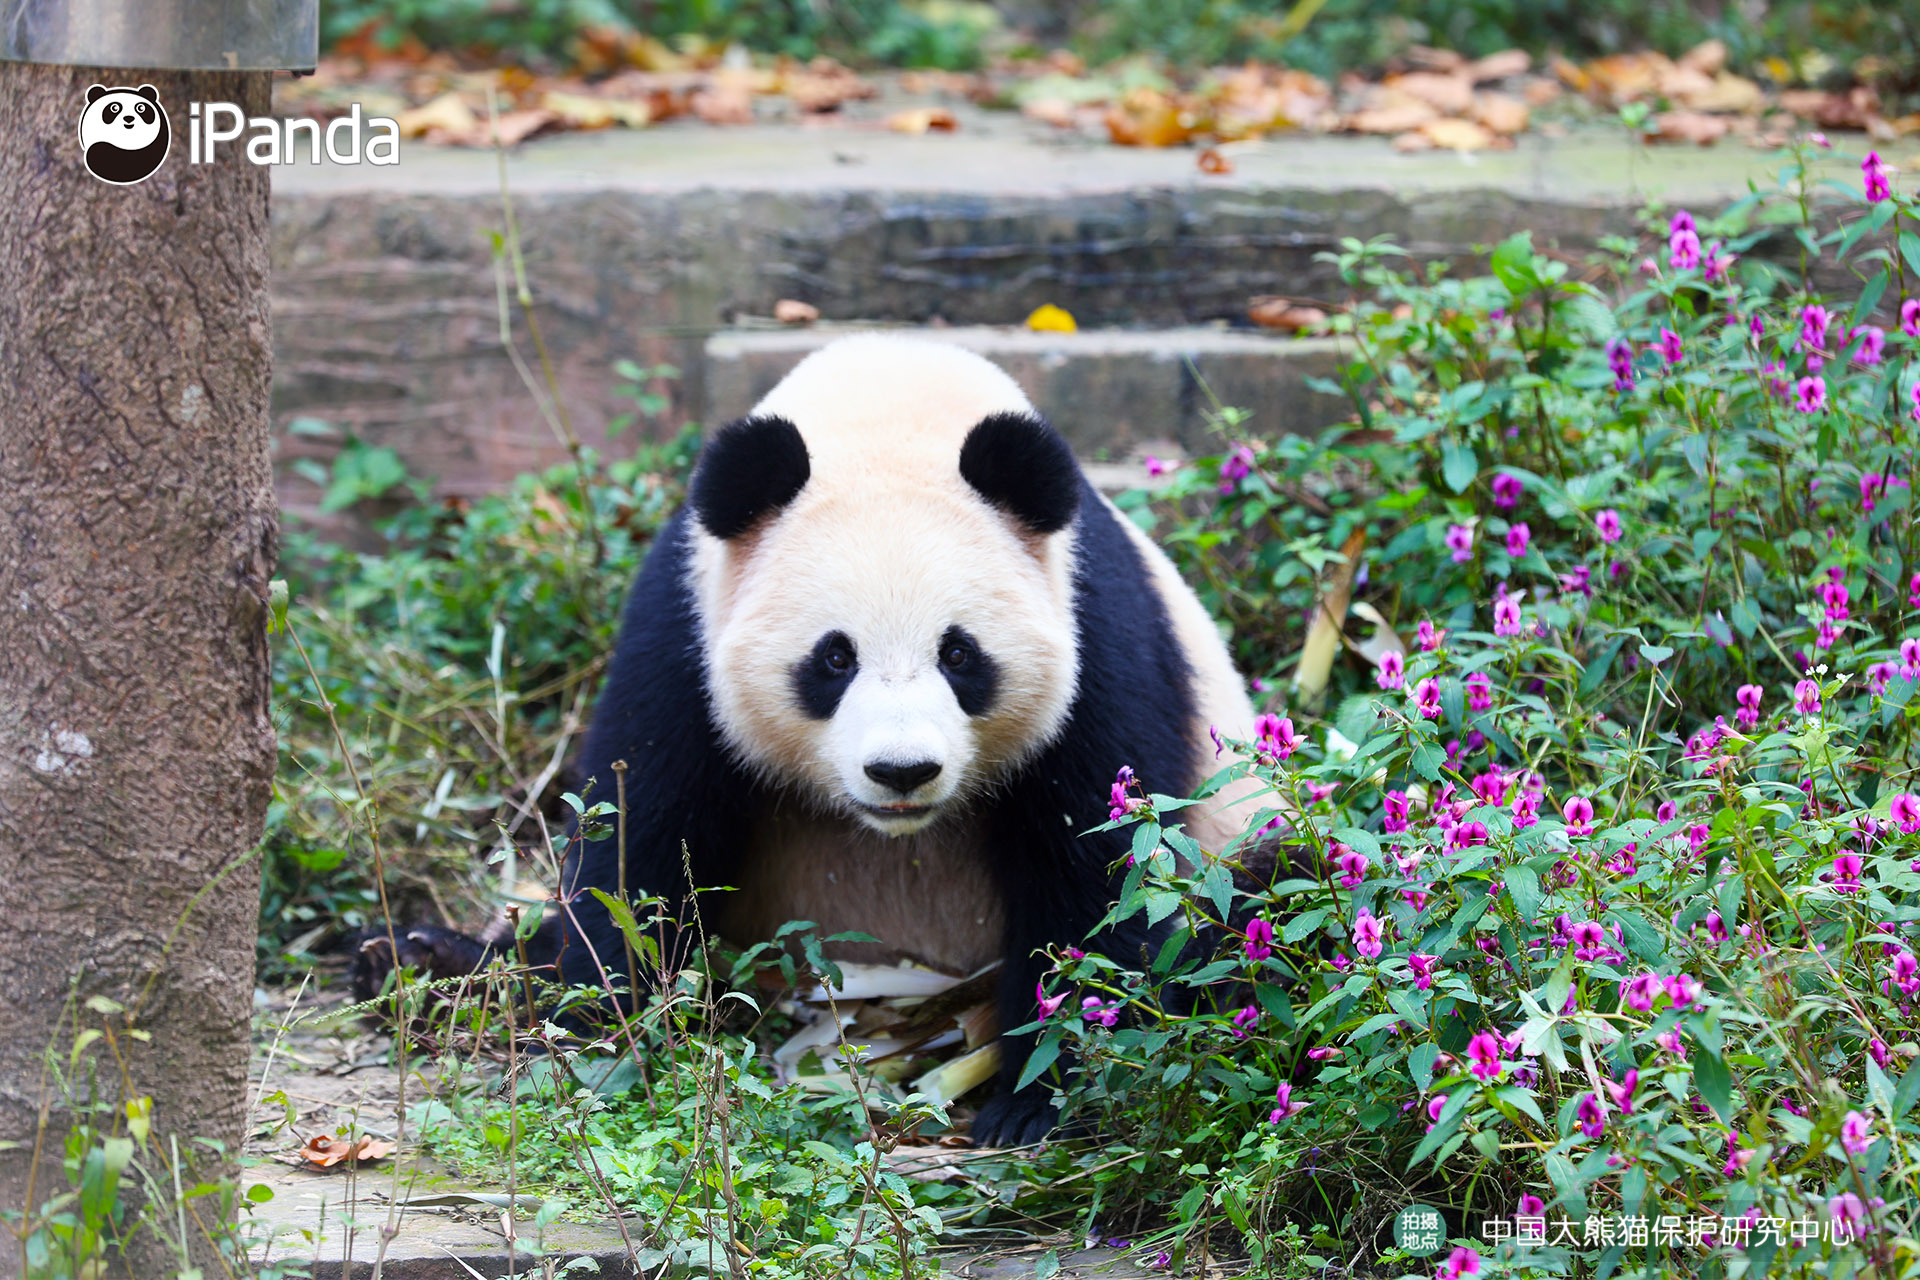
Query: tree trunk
[{"x": 137, "y": 537}]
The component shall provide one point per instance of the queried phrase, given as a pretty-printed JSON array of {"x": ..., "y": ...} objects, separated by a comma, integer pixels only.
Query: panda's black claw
[
  {"x": 1015, "y": 1120},
  {"x": 428, "y": 950}
]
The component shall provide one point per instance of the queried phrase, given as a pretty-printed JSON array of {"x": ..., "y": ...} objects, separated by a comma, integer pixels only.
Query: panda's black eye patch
[
  {"x": 821, "y": 678},
  {"x": 974, "y": 677},
  {"x": 146, "y": 112},
  {"x": 110, "y": 112}
]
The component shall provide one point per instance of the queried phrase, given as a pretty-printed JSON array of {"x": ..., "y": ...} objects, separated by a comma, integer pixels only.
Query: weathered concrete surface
[
  {"x": 641, "y": 244},
  {"x": 1112, "y": 392}
]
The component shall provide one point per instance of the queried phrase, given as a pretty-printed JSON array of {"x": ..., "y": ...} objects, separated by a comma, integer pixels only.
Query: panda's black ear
[
  {"x": 95, "y": 92},
  {"x": 1020, "y": 464},
  {"x": 148, "y": 92},
  {"x": 749, "y": 469}
]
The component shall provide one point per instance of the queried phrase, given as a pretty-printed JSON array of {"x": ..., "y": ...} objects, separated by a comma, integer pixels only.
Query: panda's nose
[{"x": 903, "y": 777}]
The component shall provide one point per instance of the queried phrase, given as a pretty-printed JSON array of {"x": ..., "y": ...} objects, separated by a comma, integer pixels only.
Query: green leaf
[
  {"x": 1305, "y": 923},
  {"x": 1711, "y": 1077},
  {"x": 1038, "y": 1061},
  {"x": 1596, "y": 673},
  {"x": 1523, "y": 886},
  {"x": 1907, "y": 1093},
  {"x": 1910, "y": 249},
  {"x": 1459, "y": 466},
  {"x": 1420, "y": 1064},
  {"x": 1512, "y": 263}
]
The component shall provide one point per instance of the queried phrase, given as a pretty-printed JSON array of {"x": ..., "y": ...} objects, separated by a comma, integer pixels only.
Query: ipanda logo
[{"x": 125, "y": 135}]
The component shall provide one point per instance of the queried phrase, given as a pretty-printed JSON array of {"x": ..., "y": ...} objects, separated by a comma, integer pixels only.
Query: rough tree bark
[{"x": 137, "y": 536}]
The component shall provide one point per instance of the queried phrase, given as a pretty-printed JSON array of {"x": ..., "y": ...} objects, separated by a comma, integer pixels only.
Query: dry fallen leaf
[
  {"x": 1500, "y": 113},
  {"x": 1057, "y": 112},
  {"x": 1458, "y": 135},
  {"x": 1149, "y": 118},
  {"x": 1412, "y": 140},
  {"x": 448, "y": 114},
  {"x": 1448, "y": 94},
  {"x": 922, "y": 120},
  {"x": 1499, "y": 66},
  {"x": 583, "y": 112},
  {"x": 1281, "y": 313},
  {"x": 323, "y": 1151},
  {"x": 1708, "y": 58},
  {"x": 515, "y": 127},
  {"x": 793, "y": 311},
  {"x": 723, "y": 104},
  {"x": 1395, "y": 117},
  {"x": 1211, "y": 161},
  {"x": 1695, "y": 127}
]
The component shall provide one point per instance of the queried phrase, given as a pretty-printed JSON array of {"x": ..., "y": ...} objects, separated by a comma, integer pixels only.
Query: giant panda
[
  {"x": 879, "y": 673},
  {"x": 124, "y": 133}
]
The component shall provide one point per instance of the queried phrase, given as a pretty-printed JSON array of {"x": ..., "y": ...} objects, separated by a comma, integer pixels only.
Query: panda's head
[
  {"x": 123, "y": 133},
  {"x": 883, "y": 569}
]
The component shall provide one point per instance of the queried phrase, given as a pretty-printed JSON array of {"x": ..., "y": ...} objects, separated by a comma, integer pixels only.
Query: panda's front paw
[
  {"x": 428, "y": 950},
  {"x": 1015, "y": 1119}
]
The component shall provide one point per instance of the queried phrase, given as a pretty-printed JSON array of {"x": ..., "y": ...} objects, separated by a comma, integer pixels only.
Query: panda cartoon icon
[{"x": 124, "y": 133}]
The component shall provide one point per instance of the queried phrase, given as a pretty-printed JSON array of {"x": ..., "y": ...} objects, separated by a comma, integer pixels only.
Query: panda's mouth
[{"x": 896, "y": 810}]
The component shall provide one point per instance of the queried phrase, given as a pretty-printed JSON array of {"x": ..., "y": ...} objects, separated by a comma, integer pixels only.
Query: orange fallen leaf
[
  {"x": 1448, "y": 94},
  {"x": 793, "y": 311},
  {"x": 1284, "y": 314},
  {"x": 582, "y": 111},
  {"x": 1396, "y": 117},
  {"x": 1149, "y": 118},
  {"x": 1500, "y": 66},
  {"x": 1500, "y": 113},
  {"x": 723, "y": 104},
  {"x": 1709, "y": 57},
  {"x": 919, "y": 120},
  {"x": 1694, "y": 127},
  {"x": 1458, "y": 135},
  {"x": 446, "y": 114},
  {"x": 323, "y": 1151},
  {"x": 1211, "y": 161},
  {"x": 1412, "y": 140},
  {"x": 1057, "y": 112},
  {"x": 515, "y": 127}
]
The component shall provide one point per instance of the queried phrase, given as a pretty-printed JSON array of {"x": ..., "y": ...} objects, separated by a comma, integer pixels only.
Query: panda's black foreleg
[{"x": 1014, "y": 1117}]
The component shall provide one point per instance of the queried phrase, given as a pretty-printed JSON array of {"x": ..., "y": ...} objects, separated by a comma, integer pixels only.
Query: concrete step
[{"x": 643, "y": 245}]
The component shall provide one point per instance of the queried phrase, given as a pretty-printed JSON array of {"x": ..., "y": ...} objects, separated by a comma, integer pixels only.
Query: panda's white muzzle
[{"x": 901, "y": 747}]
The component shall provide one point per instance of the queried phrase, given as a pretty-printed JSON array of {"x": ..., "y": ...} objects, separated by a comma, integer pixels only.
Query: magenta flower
[
  {"x": 1850, "y": 1216},
  {"x": 1431, "y": 638},
  {"x": 1810, "y": 394},
  {"x": 1806, "y": 698},
  {"x": 1479, "y": 692},
  {"x": 1518, "y": 536},
  {"x": 1460, "y": 542},
  {"x": 1353, "y": 868},
  {"x": 1913, "y": 583},
  {"x": 1903, "y": 971},
  {"x": 1913, "y": 411},
  {"x": 1588, "y": 940},
  {"x": 1578, "y": 811},
  {"x": 1716, "y": 927},
  {"x": 1531, "y": 1206},
  {"x": 1274, "y": 736},
  {"x": 1682, "y": 220},
  {"x": 1620, "y": 361},
  {"x": 1156, "y": 468},
  {"x": 1737, "y": 1157},
  {"x": 1420, "y": 965},
  {"x": 1873, "y": 345},
  {"x": 1049, "y": 1005},
  {"x": 1593, "y": 1115},
  {"x": 1095, "y": 1010},
  {"x": 1288, "y": 1104},
  {"x": 1391, "y": 672},
  {"x": 1910, "y": 317},
  {"x": 1904, "y": 809},
  {"x": 1748, "y": 696},
  {"x": 1621, "y": 1090},
  {"x": 1259, "y": 943},
  {"x": 1120, "y": 803},
  {"x": 1426, "y": 698},
  {"x": 1814, "y": 321},
  {"x": 1235, "y": 467},
  {"x": 1244, "y": 1020},
  {"x": 1910, "y": 648},
  {"x": 1322, "y": 1052},
  {"x": 1526, "y": 810},
  {"x": 1607, "y": 523},
  {"x": 1874, "y": 177},
  {"x": 1856, "y": 1132},
  {"x": 1366, "y": 935},
  {"x": 1718, "y": 262},
  {"x": 1670, "y": 349},
  {"x": 1685, "y": 991},
  {"x": 1507, "y": 489},
  {"x": 1640, "y": 991},
  {"x": 1483, "y": 1053},
  {"x": 1435, "y": 1105},
  {"x": 1460, "y": 1264},
  {"x": 1506, "y": 617},
  {"x": 1846, "y": 872}
]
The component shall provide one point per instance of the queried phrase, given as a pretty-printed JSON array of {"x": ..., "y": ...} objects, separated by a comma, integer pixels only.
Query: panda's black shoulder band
[
  {"x": 749, "y": 469},
  {"x": 1019, "y": 463}
]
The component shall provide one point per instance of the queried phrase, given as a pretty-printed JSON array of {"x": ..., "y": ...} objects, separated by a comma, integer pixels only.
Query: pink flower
[
  {"x": 1904, "y": 809},
  {"x": 1322, "y": 1052},
  {"x": 1366, "y": 935},
  {"x": 1593, "y": 1115},
  {"x": 1049, "y": 1005},
  {"x": 1640, "y": 991},
  {"x": 1460, "y": 1264},
  {"x": 1850, "y": 1216},
  {"x": 1391, "y": 672},
  {"x": 1120, "y": 803},
  {"x": 1873, "y": 345},
  {"x": 1846, "y": 873},
  {"x": 1856, "y": 1132},
  {"x": 1431, "y": 638},
  {"x": 1507, "y": 489},
  {"x": 1913, "y": 399},
  {"x": 1810, "y": 394},
  {"x": 1506, "y": 617},
  {"x": 1874, "y": 177},
  {"x": 1813, "y": 327},
  {"x": 1518, "y": 536},
  {"x": 1435, "y": 1105},
  {"x": 1420, "y": 965},
  {"x": 1621, "y": 1090},
  {"x": 1578, "y": 811},
  {"x": 1156, "y": 468},
  {"x": 1910, "y": 648},
  {"x": 1460, "y": 542},
  {"x": 1670, "y": 349},
  {"x": 1806, "y": 698},
  {"x": 1483, "y": 1052},
  {"x": 1479, "y": 692},
  {"x": 1235, "y": 467},
  {"x": 1607, "y": 523},
  {"x": 1426, "y": 697},
  {"x": 1718, "y": 262},
  {"x": 1620, "y": 361},
  {"x": 1259, "y": 943},
  {"x": 1666, "y": 813},
  {"x": 1274, "y": 735},
  {"x": 1526, "y": 810},
  {"x": 1903, "y": 971},
  {"x": 1683, "y": 249},
  {"x": 1095, "y": 1010},
  {"x": 1398, "y": 807},
  {"x": 1353, "y": 868},
  {"x": 1737, "y": 1157},
  {"x": 1530, "y": 1206},
  {"x": 1748, "y": 696},
  {"x": 1243, "y": 1020},
  {"x": 1684, "y": 991},
  {"x": 1910, "y": 317},
  {"x": 1716, "y": 927},
  {"x": 1288, "y": 1105}
]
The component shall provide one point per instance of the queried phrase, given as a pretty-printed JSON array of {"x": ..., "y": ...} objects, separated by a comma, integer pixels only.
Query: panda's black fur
[{"x": 1134, "y": 705}]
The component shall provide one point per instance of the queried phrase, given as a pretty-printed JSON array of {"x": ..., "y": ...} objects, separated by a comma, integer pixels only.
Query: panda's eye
[
  {"x": 955, "y": 656},
  {"x": 110, "y": 112},
  {"x": 834, "y": 655},
  {"x": 146, "y": 112},
  {"x": 838, "y": 660}
]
